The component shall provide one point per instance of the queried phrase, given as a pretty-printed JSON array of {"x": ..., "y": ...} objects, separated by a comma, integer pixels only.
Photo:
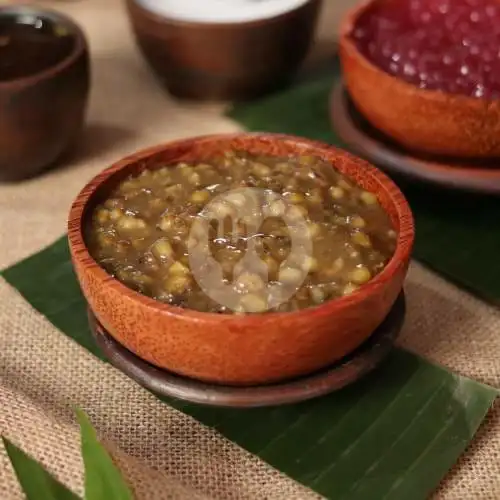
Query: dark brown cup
[
  {"x": 42, "y": 112},
  {"x": 230, "y": 61}
]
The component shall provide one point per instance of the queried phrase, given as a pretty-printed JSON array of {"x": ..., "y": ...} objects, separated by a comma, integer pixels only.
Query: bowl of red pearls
[{"x": 427, "y": 73}]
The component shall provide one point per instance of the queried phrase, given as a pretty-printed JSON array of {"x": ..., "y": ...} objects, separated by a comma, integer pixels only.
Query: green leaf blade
[
  {"x": 35, "y": 481},
  {"x": 287, "y": 437},
  {"x": 103, "y": 480}
]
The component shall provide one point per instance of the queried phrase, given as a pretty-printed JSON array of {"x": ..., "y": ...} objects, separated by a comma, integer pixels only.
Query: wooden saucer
[
  {"x": 366, "y": 141},
  {"x": 341, "y": 374}
]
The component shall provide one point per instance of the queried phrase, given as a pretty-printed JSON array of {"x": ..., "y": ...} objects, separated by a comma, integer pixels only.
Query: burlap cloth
[{"x": 164, "y": 453}]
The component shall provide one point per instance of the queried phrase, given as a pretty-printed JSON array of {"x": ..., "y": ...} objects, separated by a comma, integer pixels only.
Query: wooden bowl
[
  {"x": 473, "y": 176},
  {"x": 346, "y": 371},
  {"x": 235, "y": 349},
  {"x": 421, "y": 120},
  {"x": 42, "y": 113},
  {"x": 228, "y": 61}
]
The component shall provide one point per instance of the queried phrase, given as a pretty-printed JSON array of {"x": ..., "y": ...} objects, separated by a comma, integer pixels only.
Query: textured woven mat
[
  {"x": 163, "y": 451},
  {"x": 42, "y": 371},
  {"x": 395, "y": 434}
]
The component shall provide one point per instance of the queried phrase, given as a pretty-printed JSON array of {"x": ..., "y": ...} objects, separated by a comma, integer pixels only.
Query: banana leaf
[
  {"x": 103, "y": 480},
  {"x": 392, "y": 435},
  {"x": 35, "y": 481}
]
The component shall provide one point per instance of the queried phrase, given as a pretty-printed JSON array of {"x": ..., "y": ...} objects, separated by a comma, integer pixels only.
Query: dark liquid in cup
[{"x": 30, "y": 44}]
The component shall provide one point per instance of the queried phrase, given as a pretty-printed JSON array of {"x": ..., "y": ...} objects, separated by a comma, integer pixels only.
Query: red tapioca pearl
[
  {"x": 445, "y": 44},
  {"x": 478, "y": 90}
]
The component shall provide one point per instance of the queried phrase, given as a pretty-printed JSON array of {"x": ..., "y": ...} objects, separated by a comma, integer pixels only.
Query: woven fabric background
[
  {"x": 42, "y": 372},
  {"x": 167, "y": 454}
]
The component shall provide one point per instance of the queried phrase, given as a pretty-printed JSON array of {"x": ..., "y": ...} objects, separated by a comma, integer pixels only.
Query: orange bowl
[
  {"x": 235, "y": 349},
  {"x": 429, "y": 121}
]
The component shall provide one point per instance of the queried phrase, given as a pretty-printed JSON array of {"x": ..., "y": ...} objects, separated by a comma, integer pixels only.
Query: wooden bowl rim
[
  {"x": 214, "y": 26},
  {"x": 348, "y": 23},
  {"x": 401, "y": 255},
  {"x": 79, "y": 48}
]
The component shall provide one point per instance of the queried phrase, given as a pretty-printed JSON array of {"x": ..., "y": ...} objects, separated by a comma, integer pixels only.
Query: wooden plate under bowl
[
  {"x": 359, "y": 363},
  {"x": 366, "y": 141}
]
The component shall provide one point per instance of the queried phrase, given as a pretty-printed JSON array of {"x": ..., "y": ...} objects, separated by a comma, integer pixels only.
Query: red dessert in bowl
[{"x": 427, "y": 72}]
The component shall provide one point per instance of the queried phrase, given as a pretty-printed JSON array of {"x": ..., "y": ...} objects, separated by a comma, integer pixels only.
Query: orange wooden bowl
[
  {"x": 422, "y": 120},
  {"x": 234, "y": 349}
]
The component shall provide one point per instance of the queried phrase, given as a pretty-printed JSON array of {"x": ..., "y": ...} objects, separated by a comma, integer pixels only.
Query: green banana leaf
[
  {"x": 103, "y": 481},
  {"x": 392, "y": 435},
  {"x": 35, "y": 481},
  {"x": 457, "y": 233}
]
